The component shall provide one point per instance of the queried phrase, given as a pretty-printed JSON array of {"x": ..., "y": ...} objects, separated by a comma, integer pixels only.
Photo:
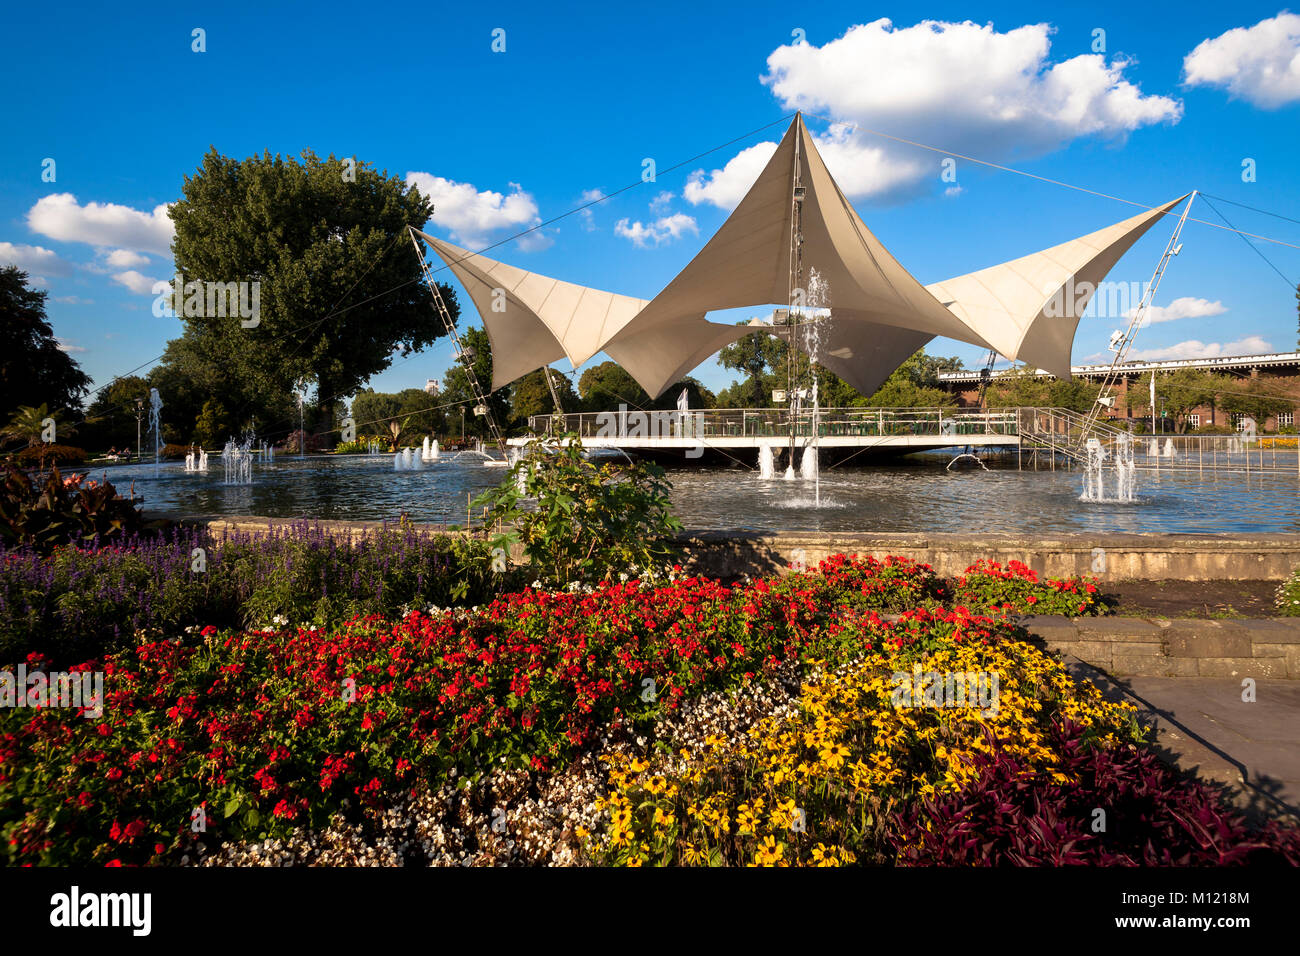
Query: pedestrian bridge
[{"x": 903, "y": 429}]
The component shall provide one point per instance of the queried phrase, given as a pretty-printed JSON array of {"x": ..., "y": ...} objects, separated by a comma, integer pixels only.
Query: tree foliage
[
  {"x": 339, "y": 281},
  {"x": 34, "y": 370}
]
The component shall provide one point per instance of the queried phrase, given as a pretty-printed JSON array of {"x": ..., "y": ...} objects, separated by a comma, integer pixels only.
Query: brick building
[{"x": 1283, "y": 367}]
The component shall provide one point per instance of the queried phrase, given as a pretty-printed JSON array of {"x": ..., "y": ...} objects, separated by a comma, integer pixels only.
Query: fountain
[
  {"x": 808, "y": 467},
  {"x": 1153, "y": 448},
  {"x": 237, "y": 460},
  {"x": 766, "y": 463},
  {"x": 424, "y": 451},
  {"x": 1169, "y": 448},
  {"x": 1094, "y": 473},
  {"x": 155, "y": 425},
  {"x": 196, "y": 461},
  {"x": 408, "y": 459}
]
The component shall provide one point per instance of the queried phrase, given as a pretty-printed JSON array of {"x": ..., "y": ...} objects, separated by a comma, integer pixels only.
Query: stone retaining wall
[
  {"x": 1110, "y": 557},
  {"x": 1156, "y": 647}
]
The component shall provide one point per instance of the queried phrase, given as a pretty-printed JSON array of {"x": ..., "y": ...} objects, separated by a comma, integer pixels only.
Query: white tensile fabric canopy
[
  {"x": 533, "y": 320},
  {"x": 879, "y": 313}
]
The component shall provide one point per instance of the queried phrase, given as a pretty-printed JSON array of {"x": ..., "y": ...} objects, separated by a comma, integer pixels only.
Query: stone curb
[{"x": 1162, "y": 647}]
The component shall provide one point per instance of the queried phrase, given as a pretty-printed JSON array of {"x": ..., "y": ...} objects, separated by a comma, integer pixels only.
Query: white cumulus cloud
[
  {"x": 137, "y": 283},
  {"x": 471, "y": 216},
  {"x": 1259, "y": 64},
  {"x": 959, "y": 86},
  {"x": 34, "y": 259},
  {"x": 1194, "y": 349},
  {"x": 125, "y": 259},
  {"x": 61, "y": 217},
  {"x": 656, "y": 233},
  {"x": 1186, "y": 307}
]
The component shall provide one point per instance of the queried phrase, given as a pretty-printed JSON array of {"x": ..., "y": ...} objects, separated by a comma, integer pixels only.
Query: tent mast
[
  {"x": 440, "y": 307},
  {"x": 795, "y": 277},
  {"x": 1104, "y": 398}
]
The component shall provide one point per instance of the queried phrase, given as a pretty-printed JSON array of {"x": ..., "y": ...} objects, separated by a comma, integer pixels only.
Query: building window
[
  {"x": 1194, "y": 420},
  {"x": 1285, "y": 419}
]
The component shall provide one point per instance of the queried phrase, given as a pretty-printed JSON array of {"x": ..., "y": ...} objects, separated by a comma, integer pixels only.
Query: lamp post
[
  {"x": 139, "y": 417},
  {"x": 462, "y": 424}
]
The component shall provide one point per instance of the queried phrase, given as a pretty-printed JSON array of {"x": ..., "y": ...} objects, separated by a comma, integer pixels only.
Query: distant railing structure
[
  {"x": 1056, "y": 436},
  {"x": 779, "y": 423}
]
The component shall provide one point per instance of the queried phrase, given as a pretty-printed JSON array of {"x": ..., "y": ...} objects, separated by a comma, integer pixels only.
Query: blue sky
[{"x": 581, "y": 95}]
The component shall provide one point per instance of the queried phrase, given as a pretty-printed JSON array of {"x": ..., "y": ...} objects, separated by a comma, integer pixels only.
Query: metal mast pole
[
  {"x": 796, "y": 270},
  {"x": 440, "y": 307},
  {"x": 1172, "y": 248}
]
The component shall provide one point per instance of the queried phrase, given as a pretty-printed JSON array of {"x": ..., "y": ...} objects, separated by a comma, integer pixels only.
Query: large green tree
[
  {"x": 34, "y": 370},
  {"x": 530, "y": 396},
  {"x": 338, "y": 280},
  {"x": 605, "y": 386}
]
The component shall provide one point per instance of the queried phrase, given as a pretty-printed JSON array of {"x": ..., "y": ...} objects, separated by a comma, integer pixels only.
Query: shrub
[
  {"x": 43, "y": 454},
  {"x": 352, "y": 448},
  {"x": 591, "y": 522},
  {"x": 295, "y": 439},
  {"x": 57, "y": 511},
  {"x": 1287, "y": 599},
  {"x": 172, "y": 452}
]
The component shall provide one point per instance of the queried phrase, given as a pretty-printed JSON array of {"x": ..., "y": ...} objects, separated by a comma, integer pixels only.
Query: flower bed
[
  {"x": 80, "y": 603},
  {"x": 990, "y": 584},
  {"x": 411, "y": 735}
]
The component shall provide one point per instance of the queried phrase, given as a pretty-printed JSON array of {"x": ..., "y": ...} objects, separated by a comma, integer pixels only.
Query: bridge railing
[{"x": 778, "y": 423}]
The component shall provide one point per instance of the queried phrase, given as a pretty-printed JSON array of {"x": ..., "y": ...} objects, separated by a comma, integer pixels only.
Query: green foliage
[
  {"x": 530, "y": 396},
  {"x": 455, "y": 388},
  {"x": 28, "y": 425},
  {"x": 411, "y": 410},
  {"x": 45, "y": 515},
  {"x": 358, "y": 447},
  {"x": 32, "y": 366},
  {"x": 42, "y": 454},
  {"x": 339, "y": 281},
  {"x": 212, "y": 427},
  {"x": 111, "y": 418},
  {"x": 590, "y": 522},
  {"x": 605, "y": 386},
  {"x": 915, "y": 384},
  {"x": 1287, "y": 599}
]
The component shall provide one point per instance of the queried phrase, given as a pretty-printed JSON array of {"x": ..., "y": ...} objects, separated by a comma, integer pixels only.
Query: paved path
[{"x": 1204, "y": 725}]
